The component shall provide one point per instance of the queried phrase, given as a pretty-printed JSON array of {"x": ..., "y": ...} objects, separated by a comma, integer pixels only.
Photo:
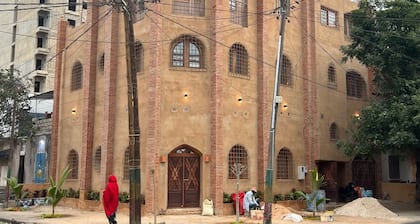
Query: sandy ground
[{"x": 407, "y": 214}]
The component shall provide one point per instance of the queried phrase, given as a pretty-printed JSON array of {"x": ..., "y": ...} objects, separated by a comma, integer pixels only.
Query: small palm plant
[
  {"x": 317, "y": 181},
  {"x": 17, "y": 188},
  {"x": 55, "y": 193}
]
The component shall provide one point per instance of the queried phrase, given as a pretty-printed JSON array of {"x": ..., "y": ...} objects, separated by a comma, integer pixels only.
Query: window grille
[
  {"x": 328, "y": 17},
  {"x": 76, "y": 76},
  {"x": 286, "y": 75},
  {"x": 139, "y": 54},
  {"x": 333, "y": 132},
  {"x": 73, "y": 164},
  {"x": 331, "y": 74},
  {"x": 101, "y": 63},
  {"x": 394, "y": 167},
  {"x": 126, "y": 174},
  {"x": 238, "y": 60},
  {"x": 72, "y": 5},
  {"x": 97, "y": 160},
  {"x": 188, "y": 7},
  {"x": 239, "y": 12},
  {"x": 238, "y": 155},
  {"x": 284, "y": 164},
  {"x": 347, "y": 24},
  {"x": 187, "y": 52},
  {"x": 356, "y": 86}
]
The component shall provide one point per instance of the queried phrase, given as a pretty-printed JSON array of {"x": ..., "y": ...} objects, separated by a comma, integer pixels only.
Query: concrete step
[{"x": 183, "y": 211}]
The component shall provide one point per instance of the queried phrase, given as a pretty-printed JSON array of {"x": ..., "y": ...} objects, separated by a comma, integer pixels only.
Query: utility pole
[
  {"x": 277, "y": 99},
  {"x": 133, "y": 114}
]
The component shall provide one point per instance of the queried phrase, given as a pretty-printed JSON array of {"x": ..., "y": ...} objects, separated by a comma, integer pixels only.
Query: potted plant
[{"x": 317, "y": 196}]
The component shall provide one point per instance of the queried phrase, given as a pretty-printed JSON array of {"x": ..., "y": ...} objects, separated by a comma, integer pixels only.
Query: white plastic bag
[{"x": 207, "y": 207}]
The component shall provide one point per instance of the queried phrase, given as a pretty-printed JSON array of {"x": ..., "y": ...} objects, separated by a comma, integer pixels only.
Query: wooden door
[{"x": 183, "y": 179}]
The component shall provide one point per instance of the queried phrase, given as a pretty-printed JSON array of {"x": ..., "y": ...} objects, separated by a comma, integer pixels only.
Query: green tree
[
  {"x": 17, "y": 188},
  {"x": 14, "y": 117},
  {"x": 385, "y": 36}
]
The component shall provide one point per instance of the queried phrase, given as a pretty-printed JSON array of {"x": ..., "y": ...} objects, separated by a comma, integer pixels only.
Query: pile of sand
[
  {"x": 365, "y": 207},
  {"x": 278, "y": 211}
]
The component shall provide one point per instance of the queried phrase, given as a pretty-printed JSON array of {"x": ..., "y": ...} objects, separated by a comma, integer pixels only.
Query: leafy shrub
[
  {"x": 124, "y": 197},
  {"x": 93, "y": 195},
  {"x": 71, "y": 193},
  {"x": 227, "y": 198},
  {"x": 278, "y": 197}
]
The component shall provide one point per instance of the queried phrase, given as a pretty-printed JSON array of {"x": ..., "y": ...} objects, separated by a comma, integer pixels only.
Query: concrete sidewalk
[{"x": 410, "y": 215}]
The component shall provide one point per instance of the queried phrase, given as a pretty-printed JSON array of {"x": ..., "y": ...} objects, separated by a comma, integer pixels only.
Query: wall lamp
[
  {"x": 73, "y": 111},
  {"x": 239, "y": 99},
  {"x": 185, "y": 95}
]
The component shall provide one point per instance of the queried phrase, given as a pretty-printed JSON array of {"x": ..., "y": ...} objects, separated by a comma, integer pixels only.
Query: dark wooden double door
[{"x": 183, "y": 178}]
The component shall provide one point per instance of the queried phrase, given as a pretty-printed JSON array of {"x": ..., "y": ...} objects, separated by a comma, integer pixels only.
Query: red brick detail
[
  {"x": 110, "y": 77},
  {"x": 263, "y": 106},
  {"x": 153, "y": 123},
  {"x": 88, "y": 110},
  {"x": 218, "y": 157},
  {"x": 61, "y": 42},
  {"x": 310, "y": 129}
]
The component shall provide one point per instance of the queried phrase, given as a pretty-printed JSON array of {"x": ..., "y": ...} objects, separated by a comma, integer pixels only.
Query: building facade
[
  {"x": 29, "y": 37},
  {"x": 205, "y": 78}
]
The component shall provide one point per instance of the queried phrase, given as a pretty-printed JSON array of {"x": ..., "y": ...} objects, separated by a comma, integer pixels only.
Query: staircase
[{"x": 183, "y": 211}]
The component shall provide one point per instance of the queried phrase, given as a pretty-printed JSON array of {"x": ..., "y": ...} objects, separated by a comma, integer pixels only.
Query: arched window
[
  {"x": 333, "y": 132},
  {"x": 187, "y": 52},
  {"x": 126, "y": 174},
  {"x": 331, "y": 74},
  {"x": 284, "y": 164},
  {"x": 73, "y": 163},
  {"x": 76, "y": 76},
  {"x": 101, "y": 62},
  {"x": 238, "y": 60},
  {"x": 97, "y": 160},
  {"x": 238, "y": 161},
  {"x": 139, "y": 54},
  {"x": 286, "y": 75},
  {"x": 355, "y": 84}
]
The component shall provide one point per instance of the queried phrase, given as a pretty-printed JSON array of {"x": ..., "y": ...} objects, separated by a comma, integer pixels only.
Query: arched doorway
[{"x": 183, "y": 177}]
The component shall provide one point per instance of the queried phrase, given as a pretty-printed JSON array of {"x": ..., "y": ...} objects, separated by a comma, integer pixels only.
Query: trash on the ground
[
  {"x": 207, "y": 207},
  {"x": 257, "y": 214},
  {"x": 293, "y": 217},
  {"x": 327, "y": 216}
]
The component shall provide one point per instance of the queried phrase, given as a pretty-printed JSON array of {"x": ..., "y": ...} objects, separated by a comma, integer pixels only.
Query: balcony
[
  {"x": 42, "y": 51},
  {"x": 42, "y": 73},
  {"x": 42, "y": 29}
]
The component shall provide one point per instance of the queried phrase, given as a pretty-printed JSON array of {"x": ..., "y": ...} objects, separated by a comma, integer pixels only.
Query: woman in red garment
[{"x": 110, "y": 199}]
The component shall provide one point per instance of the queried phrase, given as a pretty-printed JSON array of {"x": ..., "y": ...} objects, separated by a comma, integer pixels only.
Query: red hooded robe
[{"x": 110, "y": 198}]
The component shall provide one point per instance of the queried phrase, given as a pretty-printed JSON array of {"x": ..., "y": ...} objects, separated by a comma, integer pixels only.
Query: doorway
[{"x": 183, "y": 178}]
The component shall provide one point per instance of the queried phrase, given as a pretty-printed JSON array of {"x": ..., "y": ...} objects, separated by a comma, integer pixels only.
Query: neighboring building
[
  {"x": 205, "y": 75},
  {"x": 28, "y": 37}
]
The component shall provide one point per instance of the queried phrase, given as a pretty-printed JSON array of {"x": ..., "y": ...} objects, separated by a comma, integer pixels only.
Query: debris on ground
[{"x": 365, "y": 207}]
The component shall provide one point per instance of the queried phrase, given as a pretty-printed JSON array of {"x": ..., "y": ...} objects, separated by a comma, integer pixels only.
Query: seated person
[{"x": 249, "y": 201}]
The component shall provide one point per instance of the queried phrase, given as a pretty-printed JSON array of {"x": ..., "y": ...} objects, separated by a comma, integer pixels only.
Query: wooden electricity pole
[
  {"x": 268, "y": 194},
  {"x": 133, "y": 112}
]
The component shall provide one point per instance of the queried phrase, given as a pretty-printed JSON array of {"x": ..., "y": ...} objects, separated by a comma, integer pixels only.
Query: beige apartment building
[
  {"x": 28, "y": 39},
  {"x": 205, "y": 74},
  {"x": 29, "y": 35}
]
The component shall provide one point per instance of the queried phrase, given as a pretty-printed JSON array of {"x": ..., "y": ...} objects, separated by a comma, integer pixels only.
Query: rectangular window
[
  {"x": 41, "y": 20},
  {"x": 42, "y": 1},
  {"x": 71, "y": 22},
  {"x": 12, "y": 56},
  {"x": 347, "y": 24},
  {"x": 72, "y": 5},
  {"x": 328, "y": 17},
  {"x": 39, "y": 43},
  {"x": 37, "y": 86},
  {"x": 239, "y": 12},
  {"x": 394, "y": 167},
  {"x": 14, "y": 34},
  {"x": 188, "y": 7}
]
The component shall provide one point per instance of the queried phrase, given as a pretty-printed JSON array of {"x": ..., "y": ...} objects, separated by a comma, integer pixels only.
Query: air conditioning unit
[{"x": 301, "y": 172}]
